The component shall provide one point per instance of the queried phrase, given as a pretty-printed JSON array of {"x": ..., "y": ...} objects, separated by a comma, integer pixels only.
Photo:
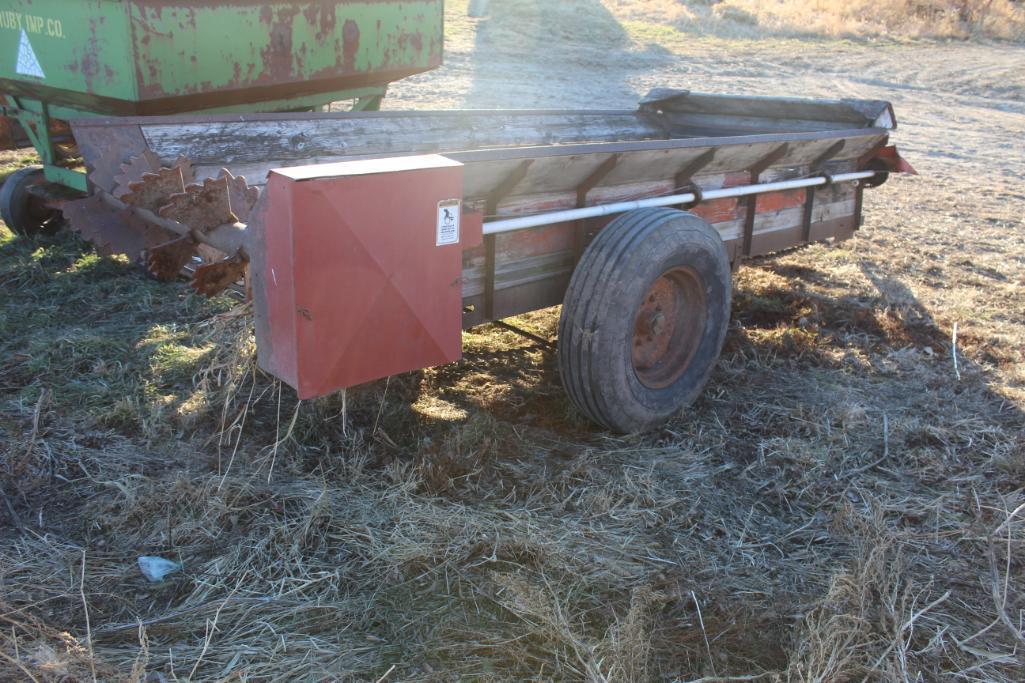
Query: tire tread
[{"x": 587, "y": 301}]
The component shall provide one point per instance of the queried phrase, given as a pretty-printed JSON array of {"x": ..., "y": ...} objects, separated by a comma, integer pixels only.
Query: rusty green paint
[{"x": 156, "y": 57}]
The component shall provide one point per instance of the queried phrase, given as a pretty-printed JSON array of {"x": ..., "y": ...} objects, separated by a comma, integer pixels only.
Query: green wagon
[{"x": 61, "y": 60}]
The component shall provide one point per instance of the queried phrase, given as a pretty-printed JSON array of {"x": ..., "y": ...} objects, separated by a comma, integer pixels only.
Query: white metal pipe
[{"x": 537, "y": 220}]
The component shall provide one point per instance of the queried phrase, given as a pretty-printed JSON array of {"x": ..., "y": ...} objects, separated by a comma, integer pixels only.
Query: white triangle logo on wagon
[{"x": 28, "y": 63}]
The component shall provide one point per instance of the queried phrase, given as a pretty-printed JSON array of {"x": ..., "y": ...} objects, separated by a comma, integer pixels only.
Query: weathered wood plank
[
  {"x": 849, "y": 111},
  {"x": 550, "y": 197},
  {"x": 707, "y": 125},
  {"x": 523, "y": 257},
  {"x": 563, "y": 168},
  {"x": 296, "y": 141}
]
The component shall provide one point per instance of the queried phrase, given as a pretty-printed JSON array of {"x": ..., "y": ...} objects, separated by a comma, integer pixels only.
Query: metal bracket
[
  {"x": 505, "y": 188},
  {"x": 866, "y": 161},
  {"x": 871, "y": 154},
  {"x": 491, "y": 208},
  {"x": 540, "y": 341},
  {"x": 683, "y": 179},
  {"x": 592, "y": 181},
  {"x": 809, "y": 194},
  {"x": 34, "y": 118},
  {"x": 759, "y": 167},
  {"x": 692, "y": 167},
  {"x": 833, "y": 150},
  {"x": 756, "y": 170},
  {"x": 489, "y": 277},
  {"x": 369, "y": 102}
]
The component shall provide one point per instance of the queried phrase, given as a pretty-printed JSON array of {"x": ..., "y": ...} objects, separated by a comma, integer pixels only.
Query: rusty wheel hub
[{"x": 668, "y": 327}]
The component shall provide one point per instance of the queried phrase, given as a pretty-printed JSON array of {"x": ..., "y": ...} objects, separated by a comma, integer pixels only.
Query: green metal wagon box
[{"x": 61, "y": 59}]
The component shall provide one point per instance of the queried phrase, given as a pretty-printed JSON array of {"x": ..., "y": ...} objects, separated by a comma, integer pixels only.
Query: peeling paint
[
  {"x": 350, "y": 45},
  {"x": 164, "y": 56}
]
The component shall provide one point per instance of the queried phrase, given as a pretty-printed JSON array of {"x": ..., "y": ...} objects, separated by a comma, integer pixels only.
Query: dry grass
[
  {"x": 959, "y": 19},
  {"x": 852, "y": 19},
  {"x": 838, "y": 506},
  {"x": 12, "y": 160}
]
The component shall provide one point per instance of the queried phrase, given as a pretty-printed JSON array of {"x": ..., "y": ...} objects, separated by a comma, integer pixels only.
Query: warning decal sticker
[
  {"x": 28, "y": 64},
  {"x": 448, "y": 222}
]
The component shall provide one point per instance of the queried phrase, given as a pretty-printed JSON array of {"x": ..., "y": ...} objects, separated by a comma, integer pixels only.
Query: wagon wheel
[
  {"x": 644, "y": 318},
  {"x": 24, "y": 212}
]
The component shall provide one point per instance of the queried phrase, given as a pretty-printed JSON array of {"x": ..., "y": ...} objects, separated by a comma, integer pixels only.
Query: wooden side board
[
  {"x": 533, "y": 267},
  {"x": 526, "y": 162}
]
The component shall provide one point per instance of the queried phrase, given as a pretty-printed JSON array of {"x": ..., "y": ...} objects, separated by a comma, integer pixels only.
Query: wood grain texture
[{"x": 526, "y": 162}]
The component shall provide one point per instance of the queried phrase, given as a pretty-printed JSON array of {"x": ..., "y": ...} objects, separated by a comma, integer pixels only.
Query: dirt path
[
  {"x": 961, "y": 109},
  {"x": 958, "y": 102}
]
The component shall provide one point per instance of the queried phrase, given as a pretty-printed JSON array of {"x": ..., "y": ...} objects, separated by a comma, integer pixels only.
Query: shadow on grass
[
  {"x": 479, "y": 473},
  {"x": 549, "y": 40},
  {"x": 109, "y": 345}
]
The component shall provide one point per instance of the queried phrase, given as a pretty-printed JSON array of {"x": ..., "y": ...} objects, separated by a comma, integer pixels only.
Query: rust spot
[
  {"x": 283, "y": 66},
  {"x": 166, "y": 260},
  {"x": 213, "y": 278},
  {"x": 153, "y": 190},
  {"x": 323, "y": 17},
  {"x": 350, "y": 44},
  {"x": 201, "y": 207},
  {"x": 241, "y": 197},
  {"x": 277, "y": 56},
  {"x": 89, "y": 62}
]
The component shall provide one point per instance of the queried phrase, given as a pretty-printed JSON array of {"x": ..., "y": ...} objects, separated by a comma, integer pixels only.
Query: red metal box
[{"x": 357, "y": 271}]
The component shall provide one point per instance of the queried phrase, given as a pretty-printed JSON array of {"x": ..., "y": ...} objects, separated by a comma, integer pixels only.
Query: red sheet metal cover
[{"x": 357, "y": 271}]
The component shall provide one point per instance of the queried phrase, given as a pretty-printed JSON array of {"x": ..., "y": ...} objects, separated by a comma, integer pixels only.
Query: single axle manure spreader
[{"x": 370, "y": 240}]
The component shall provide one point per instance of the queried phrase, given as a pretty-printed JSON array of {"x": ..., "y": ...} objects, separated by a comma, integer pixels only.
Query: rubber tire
[
  {"x": 14, "y": 204},
  {"x": 598, "y": 316}
]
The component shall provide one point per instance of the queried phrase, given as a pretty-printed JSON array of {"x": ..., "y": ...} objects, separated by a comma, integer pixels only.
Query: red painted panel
[
  {"x": 777, "y": 201},
  {"x": 273, "y": 281},
  {"x": 372, "y": 292},
  {"x": 717, "y": 210},
  {"x": 543, "y": 240}
]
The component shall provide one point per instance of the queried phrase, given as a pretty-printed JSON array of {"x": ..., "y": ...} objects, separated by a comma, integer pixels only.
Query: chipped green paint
[
  {"x": 64, "y": 58},
  {"x": 80, "y": 34},
  {"x": 155, "y": 57}
]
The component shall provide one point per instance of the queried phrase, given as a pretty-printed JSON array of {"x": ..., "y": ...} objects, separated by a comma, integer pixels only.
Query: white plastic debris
[{"x": 156, "y": 568}]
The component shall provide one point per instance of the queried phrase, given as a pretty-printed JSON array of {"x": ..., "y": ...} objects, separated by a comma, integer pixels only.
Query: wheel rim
[
  {"x": 24, "y": 211},
  {"x": 668, "y": 327}
]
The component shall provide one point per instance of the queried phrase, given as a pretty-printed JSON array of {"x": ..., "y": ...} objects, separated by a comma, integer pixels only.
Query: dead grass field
[
  {"x": 852, "y": 19},
  {"x": 844, "y": 503}
]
